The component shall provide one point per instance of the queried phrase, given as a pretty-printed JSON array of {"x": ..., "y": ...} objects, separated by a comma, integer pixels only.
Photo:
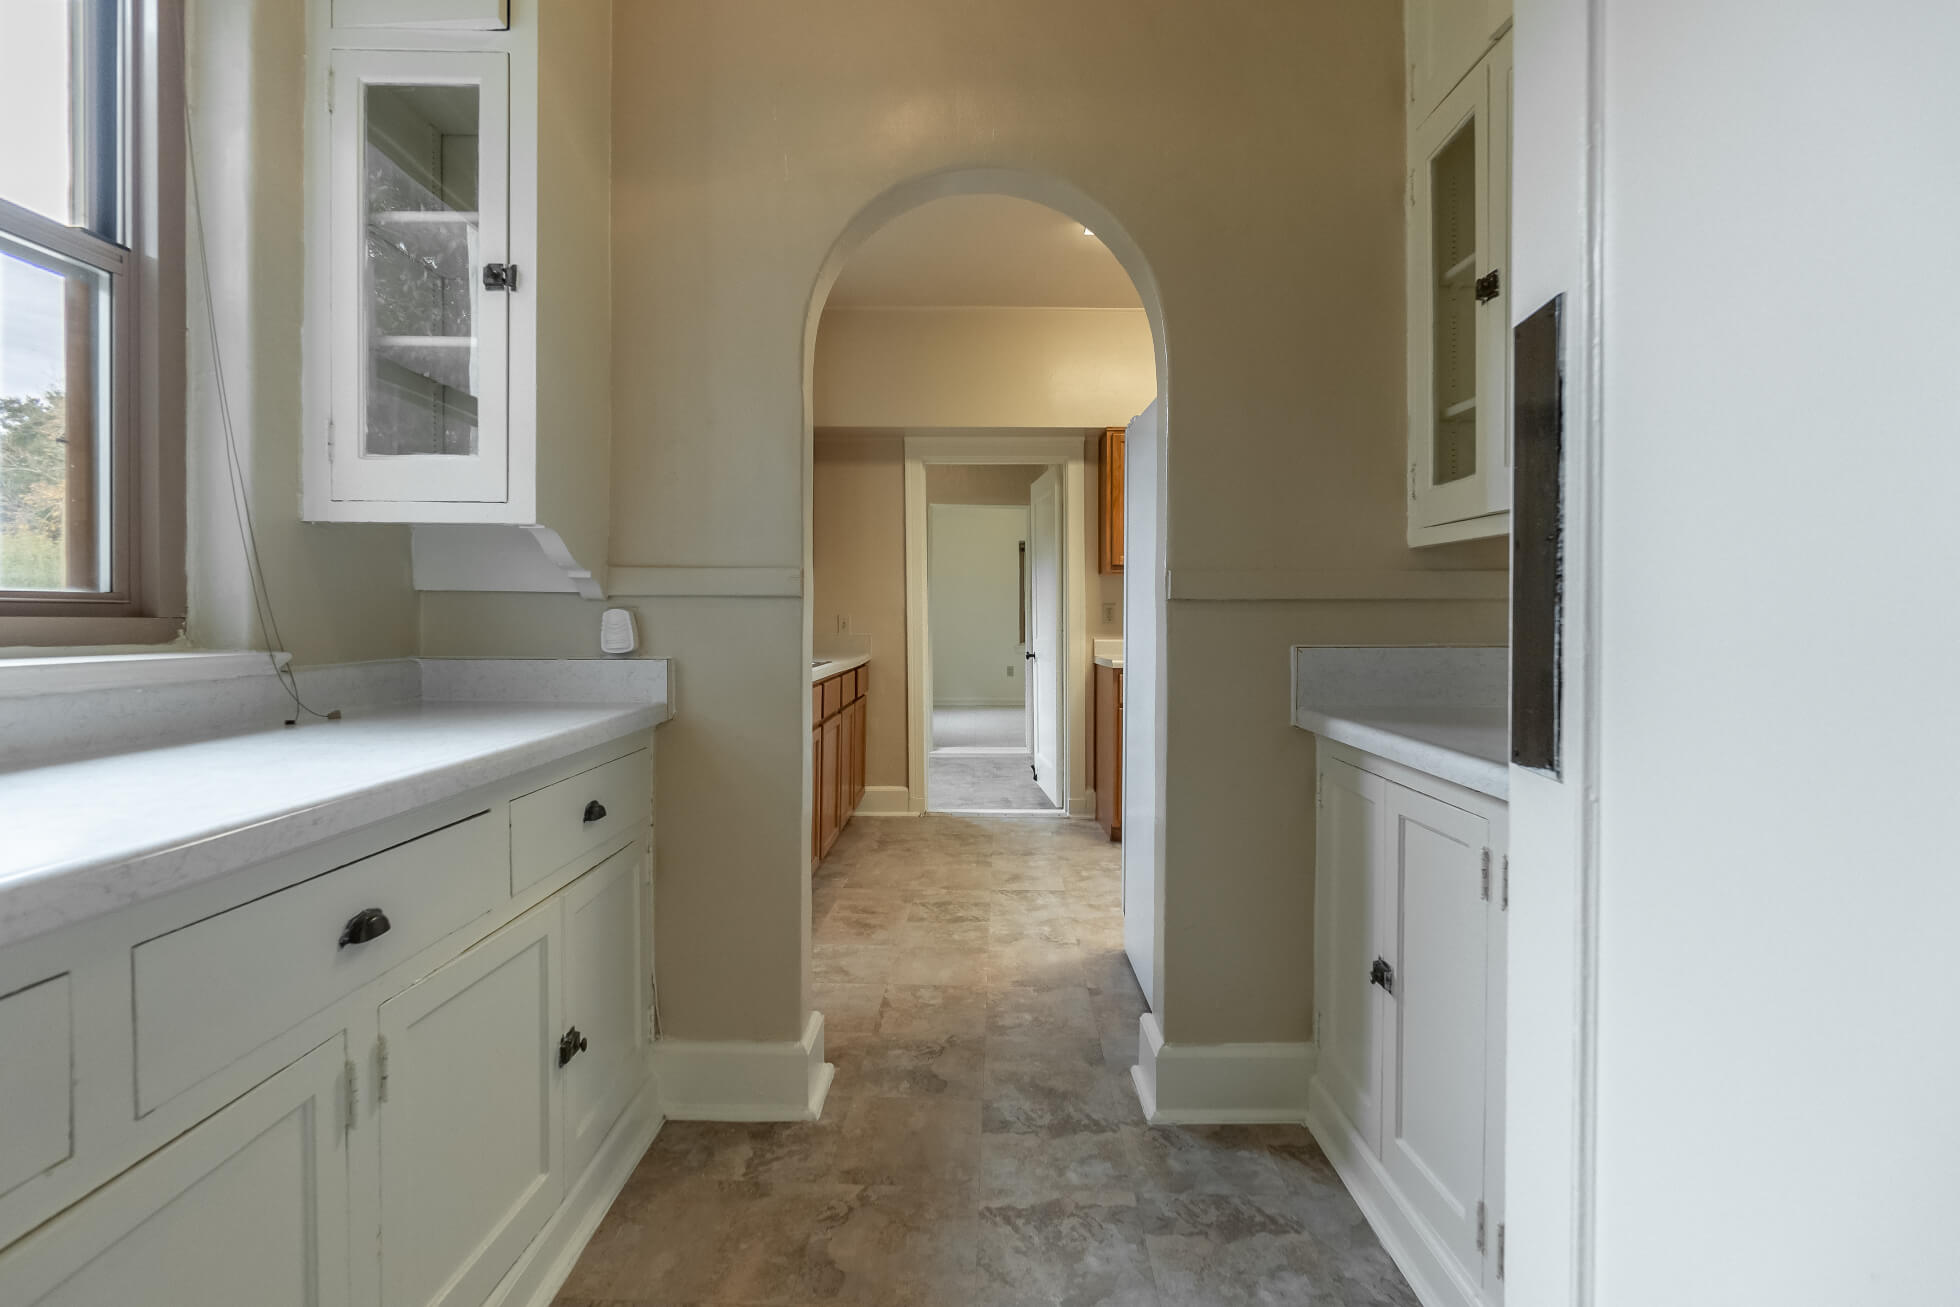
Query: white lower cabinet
[
  {"x": 1409, "y": 1090},
  {"x": 249, "y": 1207},
  {"x": 468, "y": 1113},
  {"x": 478, "y": 1086}
]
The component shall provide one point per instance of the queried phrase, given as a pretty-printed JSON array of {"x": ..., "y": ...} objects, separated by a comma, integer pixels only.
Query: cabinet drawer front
[
  {"x": 833, "y": 696},
  {"x": 552, "y": 826},
  {"x": 210, "y": 992},
  {"x": 36, "y": 1080}
]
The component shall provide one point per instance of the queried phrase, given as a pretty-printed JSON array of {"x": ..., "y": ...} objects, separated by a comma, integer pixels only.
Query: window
[{"x": 91, "y": 322}]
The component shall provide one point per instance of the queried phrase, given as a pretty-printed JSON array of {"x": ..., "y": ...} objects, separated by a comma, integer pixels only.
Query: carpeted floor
[
  {"x": 980, "y": 728},
  {"x": 982, "y": 782},
  {"x": 982, "y": 1145}
]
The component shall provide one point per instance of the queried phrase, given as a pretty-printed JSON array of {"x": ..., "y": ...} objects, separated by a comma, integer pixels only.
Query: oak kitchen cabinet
[
  {"x": 838, "y": 704},
  {"x": 1411, "y": 896},
  {"x": 1109, "y": 499},
  {"x": 1459, "y": 344},
  {"x": 407, "y": 1065},
  {"x": 457, "y": 278},
  {"x": 1107, "y": 756}
]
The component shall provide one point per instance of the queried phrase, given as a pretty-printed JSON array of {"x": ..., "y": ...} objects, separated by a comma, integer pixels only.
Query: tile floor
[
  {"x": 982, "y": 782},
  {"x": 982, "y": 1143}
]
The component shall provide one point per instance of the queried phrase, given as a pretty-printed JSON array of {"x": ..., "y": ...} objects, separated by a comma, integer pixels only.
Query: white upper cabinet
[
  {"x": 1445, "y": 39},
  {"x": 1459, "y": 310},
  {"x": 458, "y": 285}
]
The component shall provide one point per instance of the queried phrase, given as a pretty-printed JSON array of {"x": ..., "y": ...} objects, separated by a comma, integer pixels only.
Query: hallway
[{"x": 982, "y": 1143}]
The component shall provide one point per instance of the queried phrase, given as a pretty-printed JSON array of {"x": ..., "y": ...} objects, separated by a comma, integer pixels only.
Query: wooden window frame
[{"x": 144, "y": 443}]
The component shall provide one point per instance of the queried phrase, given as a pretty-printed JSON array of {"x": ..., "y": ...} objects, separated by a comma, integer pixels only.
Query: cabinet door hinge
[
  {"x": 381, "y": 1069},
  {"x": 1504, "y": 897},
  {"x": 329, "y": 90},
  {"x": 1500, "y": 1250},
  {"x": 350, "y": 1084},
  {"x": 1320, "y": 790},
  {"x": 1412, "y": 483},
  {"x": 329, "y": 440},
  {"x": 1412, "y": 183},
  {"x": 1480, "y": 1225},
  {"x": 1486, "y": 876}
]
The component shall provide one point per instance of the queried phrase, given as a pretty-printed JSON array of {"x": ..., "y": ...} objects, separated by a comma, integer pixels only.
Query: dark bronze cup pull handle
[
  {"x": 595, "y": 811},
  {"x": 570, "y": 1046},
  {"x": 367, "y": 924}
]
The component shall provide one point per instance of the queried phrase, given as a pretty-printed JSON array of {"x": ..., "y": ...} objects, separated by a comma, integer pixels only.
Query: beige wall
[
  {"x": 341, "y": 593},
  {"x": 1245, "y": 162},
  {"x": 983, "y": 367},
  {"x": 858, "y": 573},
  {"x": 1006, "y": 484}
]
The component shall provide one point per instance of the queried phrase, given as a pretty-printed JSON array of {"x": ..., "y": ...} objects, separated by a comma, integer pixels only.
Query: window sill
[
  {"x": 86, "y": 634},
  {"x": 67, "y": 674}
]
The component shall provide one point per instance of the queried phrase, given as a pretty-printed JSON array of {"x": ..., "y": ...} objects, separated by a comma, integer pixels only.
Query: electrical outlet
[
  {"x": 843, "y": 624},
  {"x": 1109, "y": 612},
  {"x": 1010, "y": 671}
]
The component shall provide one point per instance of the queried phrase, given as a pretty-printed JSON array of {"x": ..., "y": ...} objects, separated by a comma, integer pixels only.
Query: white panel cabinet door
[
  {"x": 605, "y": 995},
  {"x": 468, "y": 1111},
  {"x": 1352, "y": 929},
  {"x": 249, "y": 1207},
  {"x": 1433, "y": 1132}
]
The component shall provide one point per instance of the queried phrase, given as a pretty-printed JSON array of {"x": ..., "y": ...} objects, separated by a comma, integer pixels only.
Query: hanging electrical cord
[{"x": 241, "y": 503}]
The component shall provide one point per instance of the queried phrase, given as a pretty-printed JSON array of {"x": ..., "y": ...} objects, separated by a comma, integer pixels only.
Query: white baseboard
[
  {"x": 542, "y": 1270},
  {"x": 1430, "y": 1271},
  {"x": 739, "y": 1080},
  {"x": 885, "y": 801},
  {"x": 1213, "y": 1084},
  {"x": 981, "y": 703}
]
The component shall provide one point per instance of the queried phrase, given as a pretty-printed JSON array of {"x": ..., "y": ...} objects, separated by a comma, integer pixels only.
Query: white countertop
[
  {"x": 823, "y": 671},
  {"x": 1470, "y": 746},
  {"x": 1439, "y": 709},
  {"x": 87, "y": 836},
  {"x": 1110, "y": 660}
]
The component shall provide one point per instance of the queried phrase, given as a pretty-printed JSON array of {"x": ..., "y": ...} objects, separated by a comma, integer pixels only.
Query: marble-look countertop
[
  {"x": 823, "y": 671},
  {"x": 90, "y": 835},
  {"x": 1441, "y": 710},
  {"x": 1470, "y": 747},
  {"x": 1110, "y": 660}
]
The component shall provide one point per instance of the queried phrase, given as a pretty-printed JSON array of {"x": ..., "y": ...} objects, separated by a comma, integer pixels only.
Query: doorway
[{"x": 994, "y": 639}]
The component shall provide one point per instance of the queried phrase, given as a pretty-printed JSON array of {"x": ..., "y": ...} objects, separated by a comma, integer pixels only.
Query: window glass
[{"x": 37, "y": 107}]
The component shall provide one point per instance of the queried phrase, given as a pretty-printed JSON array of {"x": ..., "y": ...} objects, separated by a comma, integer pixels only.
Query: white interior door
[
  {"x": 1143, "y": 697},
  {"x": 1044, "y": 657}
]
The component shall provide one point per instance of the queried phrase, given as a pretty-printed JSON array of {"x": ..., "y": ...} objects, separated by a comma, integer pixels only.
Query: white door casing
[
  {"x": 1145, "y": 705},
  {"x": 1044, "y": 663}
]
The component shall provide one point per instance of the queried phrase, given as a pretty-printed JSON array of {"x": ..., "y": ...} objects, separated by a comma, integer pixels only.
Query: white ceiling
[{"x": 983, "y": 250}]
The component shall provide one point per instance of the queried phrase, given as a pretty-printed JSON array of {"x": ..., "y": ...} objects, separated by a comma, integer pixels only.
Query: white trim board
[
  {"x": 1427, "y": 1269},
  {"x": 1220, "y": 1084},
  {"x": 885, "y": 801},
  {"x": 743, "y": 1080}
]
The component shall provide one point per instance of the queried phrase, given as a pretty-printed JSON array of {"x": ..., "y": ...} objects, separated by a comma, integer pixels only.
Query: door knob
[
  {"x": 1382, "y": 974},
  {"x": 595, "y": 811},
  {"x": 367, "y": 924},
  {"x": 570, "y": 1046}
]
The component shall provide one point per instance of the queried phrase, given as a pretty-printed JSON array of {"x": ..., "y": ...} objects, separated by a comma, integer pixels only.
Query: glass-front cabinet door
[
  {"x": 421, "y": 276},
  {"x": 1459, "y": 312}
]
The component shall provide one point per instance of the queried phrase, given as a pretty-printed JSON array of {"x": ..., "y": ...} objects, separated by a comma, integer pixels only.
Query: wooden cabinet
[
  {"x": 457, "y": 280},
  {"x": 838, "y": 707},
  {"x": 1109, "y": 481},
  {"x": 1459, "y": 353},
  {"x": 1410, "y": 905},
  {"x": 249, "y": 1207},
  {"x": 1107, "y": 758}
]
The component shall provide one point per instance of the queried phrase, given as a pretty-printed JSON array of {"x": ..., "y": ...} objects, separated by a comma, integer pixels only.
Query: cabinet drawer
[
  {"x": 208, "y": 993},
  {"x": 833, "y": 696},
  {"x": 36, "y": 1081},
  {"x": 552, "y": 826}
]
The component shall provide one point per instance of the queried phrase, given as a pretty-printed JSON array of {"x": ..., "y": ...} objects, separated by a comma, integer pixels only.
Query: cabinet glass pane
[
  {"x": 1453, "y": 255},
  {"x": 420, "y": 202}
]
